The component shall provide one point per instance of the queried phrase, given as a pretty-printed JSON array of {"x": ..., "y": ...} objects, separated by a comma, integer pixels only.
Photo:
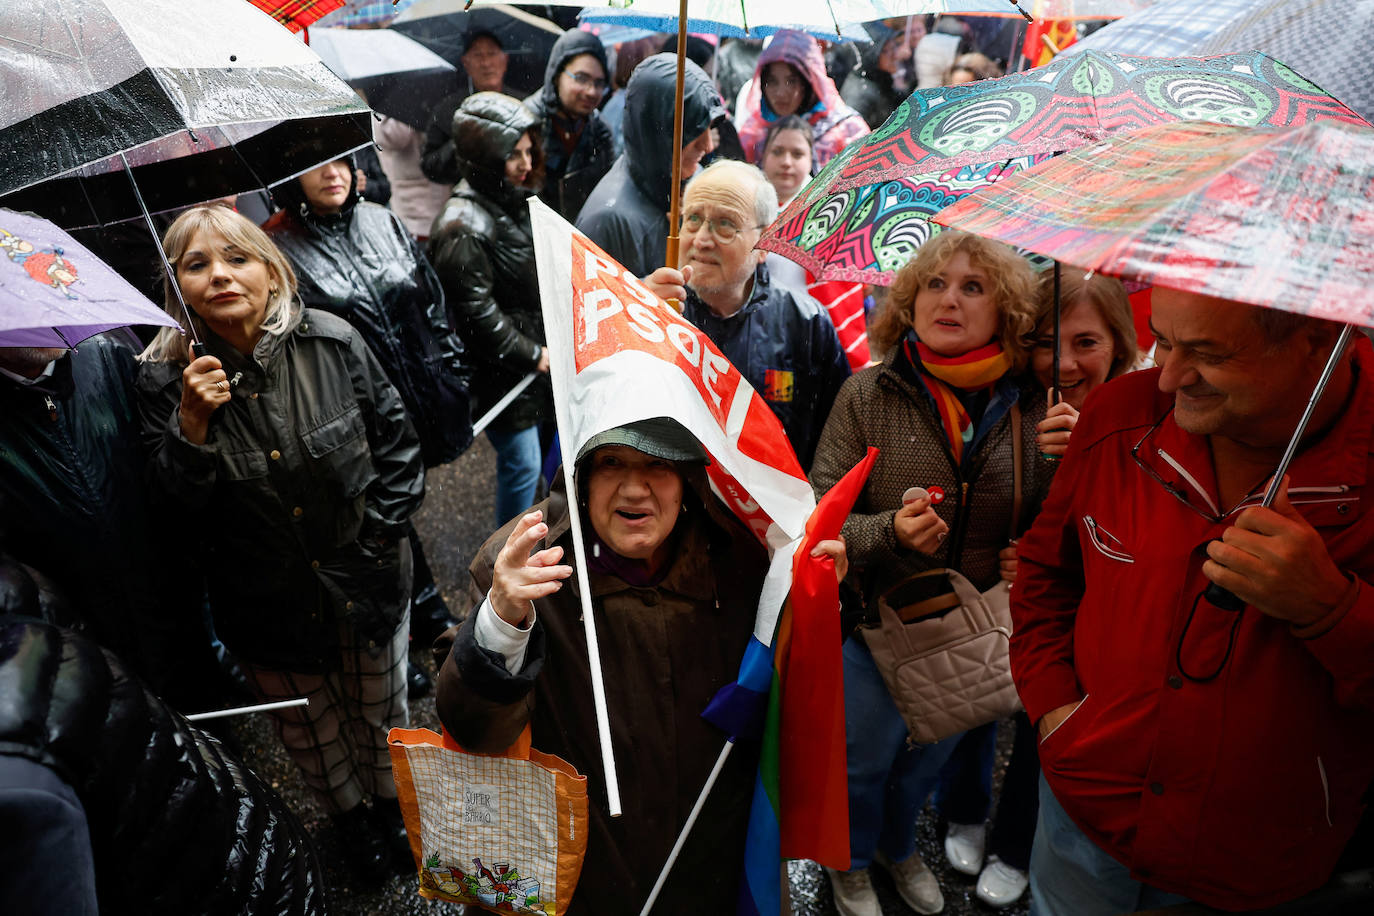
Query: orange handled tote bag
[{"x": 506, "y": 833}]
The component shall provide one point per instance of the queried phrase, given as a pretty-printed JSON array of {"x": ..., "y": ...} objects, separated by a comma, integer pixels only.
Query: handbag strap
[{"x": 1015, "y": 468}]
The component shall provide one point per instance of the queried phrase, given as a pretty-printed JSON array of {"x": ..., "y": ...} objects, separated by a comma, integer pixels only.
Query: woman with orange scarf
[{"x": 939, "y": 408}]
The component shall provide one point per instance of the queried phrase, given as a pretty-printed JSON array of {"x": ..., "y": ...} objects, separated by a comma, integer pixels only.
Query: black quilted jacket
[{"x": 178, "y": 825}]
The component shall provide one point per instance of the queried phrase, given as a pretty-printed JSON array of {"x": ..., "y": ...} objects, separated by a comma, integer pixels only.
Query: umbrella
[
  {"x": 865, "y": 214},
  {"x": 400, "y": 77},
  {"x": 220, "y": 85},
  {"x": 527, "y": 39},
  {"x": 1276, "y": 218},
  {"x": 297, "y": 14},
  {"x": 55, "y": 293},
  {"x": 1325, "y": 40},
  {"x": 355, "y": 13}
]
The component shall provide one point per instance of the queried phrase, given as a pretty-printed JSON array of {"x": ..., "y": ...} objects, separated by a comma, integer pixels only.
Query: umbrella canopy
[
  {"x": 297, "y": 14},
  {"x": 527, "y": 39},
  {"x": 1326, "y": 41},
  {"x": 55, "y": 293},
  {"x": 87, "y": 80},
  {"x": 400, "y": 77},
  {"x": 356, "y": 13},
  {"x": 864, "y": 215},
  {"x": 1281, "y": 218}
]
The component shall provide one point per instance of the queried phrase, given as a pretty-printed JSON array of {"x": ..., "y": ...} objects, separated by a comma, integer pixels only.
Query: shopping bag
[{"x": 505, "y": 833}]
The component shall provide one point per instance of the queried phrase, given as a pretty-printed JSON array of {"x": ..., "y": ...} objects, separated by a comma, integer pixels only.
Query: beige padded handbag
[{"x": 942, "y": 646}]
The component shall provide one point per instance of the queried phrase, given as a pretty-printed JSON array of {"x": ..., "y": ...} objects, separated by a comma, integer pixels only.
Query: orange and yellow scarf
[{"x": 973, "y": 371}]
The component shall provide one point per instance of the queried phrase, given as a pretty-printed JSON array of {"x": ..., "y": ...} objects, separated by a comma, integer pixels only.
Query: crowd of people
[{"x": 1167, "y": 751}]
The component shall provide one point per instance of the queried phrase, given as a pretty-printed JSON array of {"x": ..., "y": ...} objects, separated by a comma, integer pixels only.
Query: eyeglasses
[
  {"x": 723, "y": 229},
  {"x": 587, "y": 81}
]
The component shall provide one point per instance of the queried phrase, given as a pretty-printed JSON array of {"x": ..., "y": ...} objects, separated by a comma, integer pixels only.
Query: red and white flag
[{"x": 619, "y": 354}]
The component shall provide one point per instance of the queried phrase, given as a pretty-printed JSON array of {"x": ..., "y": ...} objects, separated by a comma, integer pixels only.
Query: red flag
[{"x": 1059, "y": 33}]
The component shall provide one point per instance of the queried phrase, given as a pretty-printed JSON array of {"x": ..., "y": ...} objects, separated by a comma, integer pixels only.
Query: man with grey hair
[{"x": 779, "y": 338}]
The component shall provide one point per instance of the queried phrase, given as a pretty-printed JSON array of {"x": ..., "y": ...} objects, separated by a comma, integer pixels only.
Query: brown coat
[
  {"x": 880, "y": 407},
  {"x": 665, "y": 651}
]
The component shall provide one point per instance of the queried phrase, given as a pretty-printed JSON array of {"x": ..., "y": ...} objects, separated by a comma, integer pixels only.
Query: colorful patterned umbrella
[
  {"x": 1281, "y": 218},
  {"x": 297, "y": 14},
  {"x": 865, "y": 214},
  {"x": 1326, "y": 41}
]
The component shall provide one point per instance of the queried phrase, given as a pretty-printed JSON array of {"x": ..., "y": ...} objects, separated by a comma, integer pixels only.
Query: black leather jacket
[
  {"x": 570, "y": 177},
  {"x": 307, "y": 477},
  {"x": 482, "y": 248},
  {"x": 177, "y": 823},
  {"x": 72, "y": 505},
  {"x": 363, "y": 266}
]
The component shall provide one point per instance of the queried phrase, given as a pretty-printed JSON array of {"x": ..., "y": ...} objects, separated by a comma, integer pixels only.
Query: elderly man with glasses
[
  {"x": 1194, "y": 747},
  {"x": 779, "y": 338}
]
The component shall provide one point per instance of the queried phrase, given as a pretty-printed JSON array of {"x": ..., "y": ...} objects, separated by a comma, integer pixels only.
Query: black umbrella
[
  {"x": 400, "y": 77},
  {"x": 202, "y": 98},
  {"x": 527, "y": 39}
]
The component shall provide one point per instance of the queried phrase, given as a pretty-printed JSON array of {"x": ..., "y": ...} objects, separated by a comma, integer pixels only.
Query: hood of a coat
[
  {"x": 648, "y": 125},
  {"x": 803, "y": 52},
  {"x": 879, "y": 36},
  {"x": 485, "y": 130},
  {"x": 569, "y": 45},
  {"x": 290, "y": 196}
]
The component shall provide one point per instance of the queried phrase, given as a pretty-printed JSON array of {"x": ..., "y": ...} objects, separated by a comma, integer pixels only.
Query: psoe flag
[{"x": 619, "y": 354}]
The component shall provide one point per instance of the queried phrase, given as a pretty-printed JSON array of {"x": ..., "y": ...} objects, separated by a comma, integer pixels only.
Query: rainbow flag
[{"x": 796, "y": 688}]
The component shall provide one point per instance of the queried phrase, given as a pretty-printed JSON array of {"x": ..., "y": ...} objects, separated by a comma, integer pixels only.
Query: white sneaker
[
  {"x": 1000, "y": 884},
  {"x": 915, "y": 882},
  {"x": 964, "y": 847},
  {"x": 854, "y": 894}
]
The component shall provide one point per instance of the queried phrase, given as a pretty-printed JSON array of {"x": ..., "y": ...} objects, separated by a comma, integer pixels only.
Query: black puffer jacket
[
  {"x": 72, "y": 505},
  {"x": 363, "y": 266},
  {"x": 866, "y": 88},
  {"x": 627, "y": 213},
  {"x": 570, "y": 177},
  {"x": 177, "y": 824},
  {"x": 306, "y": 478},
  {"x": 483, "y": 251}
]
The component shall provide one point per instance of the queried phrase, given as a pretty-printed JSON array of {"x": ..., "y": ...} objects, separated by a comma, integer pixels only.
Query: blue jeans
[
  {"x": 889, "y": 780},
  {"x": 517, "y": 470},
  {"x": 1071, "y": 876}
]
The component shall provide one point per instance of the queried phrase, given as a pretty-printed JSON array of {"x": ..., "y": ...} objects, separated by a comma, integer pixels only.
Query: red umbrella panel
[
  {"x": 297, "y": 14},
  {"x": 1281, "y": 218},
  {"x": 991, "y": 126}
]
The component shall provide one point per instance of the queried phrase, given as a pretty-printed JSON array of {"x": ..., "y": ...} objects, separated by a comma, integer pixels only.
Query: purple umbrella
[{"x": 55, "y": 293}]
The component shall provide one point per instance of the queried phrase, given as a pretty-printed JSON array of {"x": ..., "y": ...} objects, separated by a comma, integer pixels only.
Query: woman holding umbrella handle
[{"x": 289, "y": 444}]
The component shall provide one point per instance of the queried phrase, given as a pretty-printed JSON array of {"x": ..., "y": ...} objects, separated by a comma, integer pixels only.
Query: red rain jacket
[{"x": 1242, "y": 791}]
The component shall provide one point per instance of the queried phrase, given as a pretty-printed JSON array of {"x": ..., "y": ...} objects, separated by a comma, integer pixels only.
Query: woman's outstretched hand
[
  {"x": 204, "y": 389},
  {"x": 520, "y": 577}
]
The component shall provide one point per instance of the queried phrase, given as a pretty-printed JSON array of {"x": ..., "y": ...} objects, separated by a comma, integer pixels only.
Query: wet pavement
[{"x": 455, "y": 520}]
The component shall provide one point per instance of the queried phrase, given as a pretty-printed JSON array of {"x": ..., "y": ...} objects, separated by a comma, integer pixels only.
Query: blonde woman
[{"x": 286, "y": 456}]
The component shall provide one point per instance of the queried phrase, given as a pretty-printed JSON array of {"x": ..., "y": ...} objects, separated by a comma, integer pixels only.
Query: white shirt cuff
[{"x": 495, "y": 635}]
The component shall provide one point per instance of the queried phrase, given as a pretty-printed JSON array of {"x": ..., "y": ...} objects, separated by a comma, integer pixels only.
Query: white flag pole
[
  {"x": 603, "y": 722},
  {"x": 245, "y": 710},
  {"x": 687, "y": 827},
  {"x": 502, "y": 404}
]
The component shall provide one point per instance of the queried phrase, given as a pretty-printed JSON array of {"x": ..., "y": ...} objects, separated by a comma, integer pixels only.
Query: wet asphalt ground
[{"x": 455, "y": 520}]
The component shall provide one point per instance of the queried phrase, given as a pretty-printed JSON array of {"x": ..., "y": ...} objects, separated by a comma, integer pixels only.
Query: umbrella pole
[
  {"x": 1224, "y": 598},
  {"x": 675, "y": 192},
  {"x": 687, "y": 827},
  {"x": 197, "y": 347},
  {"x": 1054, "y": 389}
]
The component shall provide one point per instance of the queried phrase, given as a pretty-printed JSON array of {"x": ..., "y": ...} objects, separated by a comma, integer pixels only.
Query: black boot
[
  {"x": 386, "y": 816},
  {"x": 417, "y": 682},
  {"x": 365, "y": 849}
]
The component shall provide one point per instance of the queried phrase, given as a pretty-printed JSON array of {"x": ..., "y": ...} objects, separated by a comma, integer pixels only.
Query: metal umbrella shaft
[
  {"x": 1223, "y": 598},
  {"x": 197, "y": 347},
  {"x": 1058, "y": 308}
]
